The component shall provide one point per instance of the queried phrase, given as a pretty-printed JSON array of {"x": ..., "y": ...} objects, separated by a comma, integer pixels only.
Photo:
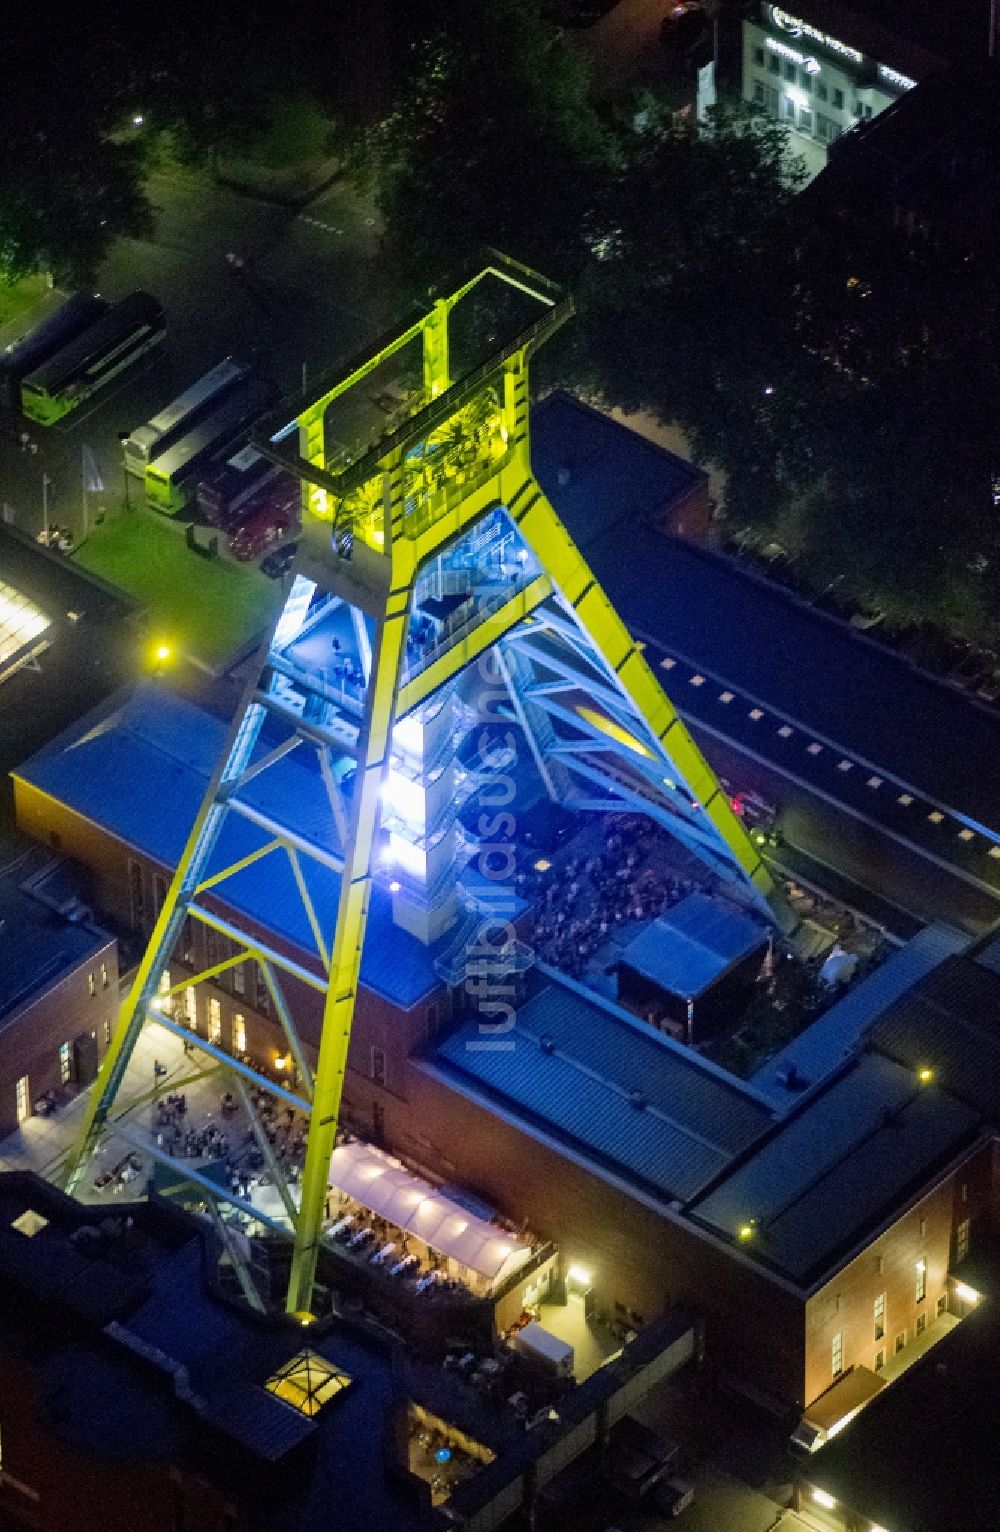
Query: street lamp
[{"x": 123, "y": 437}]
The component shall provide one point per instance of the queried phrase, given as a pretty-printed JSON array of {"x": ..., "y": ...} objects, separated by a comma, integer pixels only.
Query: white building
[{"x": 823, "y": 72}]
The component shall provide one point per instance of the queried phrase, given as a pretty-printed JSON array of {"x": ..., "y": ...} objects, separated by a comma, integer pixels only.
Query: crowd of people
[
  {"x": 585, "y": 900},
  {"x": 245, "y": 1163}
]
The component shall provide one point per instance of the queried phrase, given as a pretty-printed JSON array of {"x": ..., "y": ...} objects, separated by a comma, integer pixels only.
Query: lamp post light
[{"x": 123, "y": 438}]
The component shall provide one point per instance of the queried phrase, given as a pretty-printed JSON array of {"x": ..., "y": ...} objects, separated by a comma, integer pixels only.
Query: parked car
[
  {"x": 280, "y": 561},
  {"x": 672, "y": 1496}
]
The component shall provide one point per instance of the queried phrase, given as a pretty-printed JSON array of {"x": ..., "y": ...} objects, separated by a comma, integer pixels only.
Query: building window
[
  {"x": 837, "y": 1354},
  {"x": 788, "y": 109},
  {"x": 159, "y": 892},
  {"x": 164, "y": 984},
  {"x": 923, "y": 1228},
  {"x": 805, "y": 120},
  {"x": 962, "y": 1240},
  {"x": 805, "y": 80},
  {"x": 191, "y": 1007},
  {"x": 105, "y": 981},
  {"x": 91, "y": 985},
  {"x": 900, "y": 1342},
  {"x": 821, "y": 90},
  {"x": 941, "y": 1306},
  {"x": 107, "y": 1034},
  {"x": 879, "y": 1315},
  {"x": 879, "y": 1360},
  {"x": 263, "y": 995},
  {"x": 773, "y": 64},
  {"x": 772, "y": 101},
  {"x": 239, "y": 1033},
  {"x": 838, "y": 100},
  {"x": 759, "y": 93},
  {"x": 215, "y": 1021},
  {"x": 758, "y": 56},
  {"x": 378, "y": 1065},
  {"x": 23, "y": 1098},
  {"x": 378, "y": 1120},
  {"x": 65, "y": 1063},
  {"x": 921, "y": 1323},
  {"x": 790, "y": 73},
  {"x": 921, "y": 1281},
  {"x": 965, "y": 1191},
  {"x": 187, "y": 941},
  {"x": 137, "y": 895},
  {"x": 240, "y": 979}
]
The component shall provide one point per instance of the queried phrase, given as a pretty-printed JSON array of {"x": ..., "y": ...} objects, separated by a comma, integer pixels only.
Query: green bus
[
  {"x": 172, "y": 476},
  {"x": 90, "y": 360}
]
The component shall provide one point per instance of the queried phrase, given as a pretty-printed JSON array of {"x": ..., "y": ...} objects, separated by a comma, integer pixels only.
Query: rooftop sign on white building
[{"x": 797, "y": 28}]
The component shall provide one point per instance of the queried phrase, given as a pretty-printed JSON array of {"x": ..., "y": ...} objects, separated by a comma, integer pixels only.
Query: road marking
[
  {"x": 860, "y": 760},
  {"x": 846, "y": 808}
]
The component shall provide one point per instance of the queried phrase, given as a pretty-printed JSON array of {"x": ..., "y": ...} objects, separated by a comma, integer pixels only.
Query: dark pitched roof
[{"x": 612, "y": 1088}]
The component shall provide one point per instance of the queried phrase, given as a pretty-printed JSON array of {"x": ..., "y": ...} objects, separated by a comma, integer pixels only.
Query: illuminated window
[
  {"x": 164, "y": 984},
  {"x": 378, "y": 1065},
  {"x": 879, "y": 1360},
  {"x": 788, "y": 112},
  {"x": 962, "y": 1240},
  {"x": 941, "y": 1306},
  {"x": 240, "y": 979},
  {"x": 805, "y": 120},
  {"x": 239, "y": 1033},
  {"x": 91, "y": 985},
  {"x": 214, "y": 1021},
  {"x": 921, "y": 1281},
  {"x": 104, "y": 976},
  {"x": 23, "y": 1098},
  {"x": 307, "y": 1382},
  {"x": 65, "y": 1063},
  {"x": 837, "y": 1354},
  {"x": 900, "y": 1342},
  {"x": 191, "y": 1007},
  {"x": 879, "y": 1308},
  {"x": 107, "y": 1034}
]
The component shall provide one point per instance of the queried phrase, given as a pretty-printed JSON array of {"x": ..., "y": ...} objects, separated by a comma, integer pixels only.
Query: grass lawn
[
  {"x": 208, "y": 608},
  {"x": 17, "y": 297}
]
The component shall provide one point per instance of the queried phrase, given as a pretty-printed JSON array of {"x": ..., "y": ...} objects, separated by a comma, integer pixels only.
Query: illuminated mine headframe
[{"x": 427, "y": 544}]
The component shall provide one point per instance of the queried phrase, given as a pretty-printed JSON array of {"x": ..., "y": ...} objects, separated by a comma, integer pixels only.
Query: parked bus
[
  {"x": 170, "y": 423},
  {"x": 231, "y": 486},
  {"x": 63, "y": 381},
  {"x": 77, "y": 314},
  {"x": 266, "y": 526},
  {"x": 171, "y": 477}
]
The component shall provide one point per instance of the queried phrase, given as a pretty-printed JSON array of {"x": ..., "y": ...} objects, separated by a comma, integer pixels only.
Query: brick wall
[{"x": 846, "y": 1304}]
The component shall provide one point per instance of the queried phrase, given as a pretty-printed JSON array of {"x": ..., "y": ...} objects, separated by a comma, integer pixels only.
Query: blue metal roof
[
  {"x": 597, "y": 472},
  {"x": 689, "y": 947},
  {"x": 614, "y": 1088},
  {"x": 840, "y": 1165},
  {"x": 139, "y": 768}
]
